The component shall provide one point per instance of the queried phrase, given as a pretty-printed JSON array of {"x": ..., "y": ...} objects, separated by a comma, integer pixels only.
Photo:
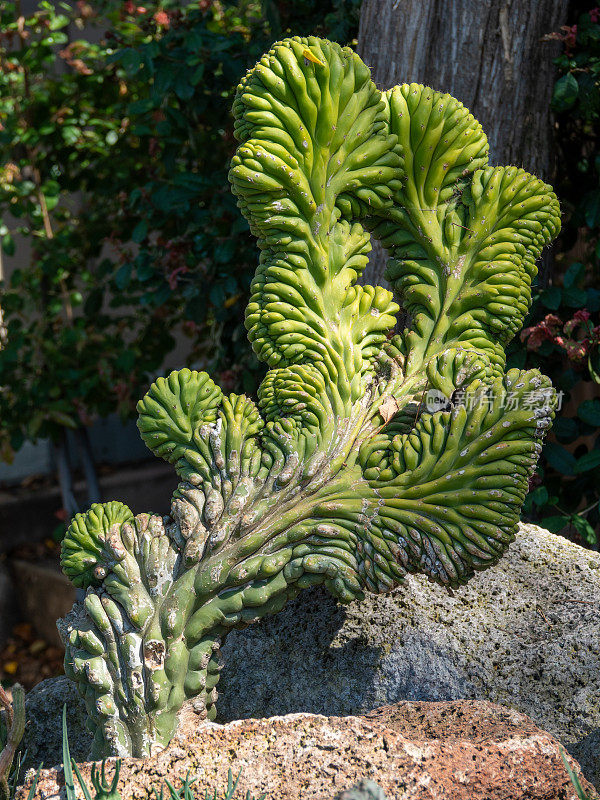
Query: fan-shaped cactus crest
[{"x": 344, "y": 472}]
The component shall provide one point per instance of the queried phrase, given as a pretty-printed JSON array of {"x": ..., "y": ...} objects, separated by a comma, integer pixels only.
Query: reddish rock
[{"x": 458, "y": 750}]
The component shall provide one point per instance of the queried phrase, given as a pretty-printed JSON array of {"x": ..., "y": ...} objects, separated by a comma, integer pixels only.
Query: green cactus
[{"x": 341, "y": 475}]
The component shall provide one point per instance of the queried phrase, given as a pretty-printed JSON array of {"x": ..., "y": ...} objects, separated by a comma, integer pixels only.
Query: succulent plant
[
  {"x": 345, "y": 473},
  {"x": 11, "y": 733}
]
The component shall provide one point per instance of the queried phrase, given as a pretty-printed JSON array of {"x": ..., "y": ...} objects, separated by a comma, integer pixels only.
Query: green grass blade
[
  {"x": 33, "y": 787},
  {"x": 172, "y": 790},
  {"x": 574, "y": 778},
  {"x": 66, "y": 753},
  {"x": 232, "y": 785},
  {"x": 82, "y": 783}
]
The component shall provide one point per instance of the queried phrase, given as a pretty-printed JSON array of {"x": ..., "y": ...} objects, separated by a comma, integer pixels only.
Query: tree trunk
[{"x": 486, "y": 53}]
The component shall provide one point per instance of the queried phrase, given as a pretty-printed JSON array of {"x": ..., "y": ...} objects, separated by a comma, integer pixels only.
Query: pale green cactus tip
[{"x": 343, "y": 475}]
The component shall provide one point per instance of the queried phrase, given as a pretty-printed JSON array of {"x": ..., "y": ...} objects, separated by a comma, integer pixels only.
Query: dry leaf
[{"x": 388, "y": 409}]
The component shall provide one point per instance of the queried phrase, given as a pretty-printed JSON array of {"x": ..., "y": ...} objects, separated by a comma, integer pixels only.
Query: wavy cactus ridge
[
  {"x": 485, "y": 226},
  {"x": 342, "y": 474},
  {"x": 82, "y": 549},
  {"x": 315, "y": 157}
]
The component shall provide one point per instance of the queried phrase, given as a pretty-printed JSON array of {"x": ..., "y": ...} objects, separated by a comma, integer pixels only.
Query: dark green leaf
[
  {"x": 161, "y": 295},
  {"x": 551, "y": 297},
  {"x": 163, "y": 80},
  {"x": 588, "y": 461},
  {"x": 123, "y": 276},
  {"x": 183, "y": 87},
  {"x": 131, "y": 60},
  {"x": 555, "y": 523},
  {"x": 565, "y": 92},
  {"x": 217, "y": 295},
  {"x": 584, "y": 529},
  {"x": 197, "y": 75},
  {"x": 565, "y": 429},
  {"x": 223, "y": 252},
  {"x": 126, "y": 360},
  {"x": 145, "y": 268},
  {"x": 539, "y": 496},
  {"x": 140, "y": 232},
  {"x": 8, "y": 244},
  {"x": 573, "y": 274},
  {"x": 93, "y": 303},
  {"x": 140, "y": 107},
  {"x": 589, "y": 412},
  {"x": 574, "y": 298},
  {"x": 592, "y": 302},
  {"x": 592, "y": 208},
  {"x": 561, "y": 459}
]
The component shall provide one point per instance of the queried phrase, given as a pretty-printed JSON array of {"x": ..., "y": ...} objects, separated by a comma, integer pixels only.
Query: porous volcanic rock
[
  {"x": 464, "y": 750},
  {"x": 524, "y": 633},
  {"x": 42, "y": 742}
]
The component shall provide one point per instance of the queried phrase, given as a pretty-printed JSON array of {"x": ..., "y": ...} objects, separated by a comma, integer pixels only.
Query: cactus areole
[{"x": 368, "y": 455}]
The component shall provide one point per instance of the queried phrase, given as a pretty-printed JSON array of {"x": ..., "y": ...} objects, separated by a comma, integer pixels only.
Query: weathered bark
[{"x": 486, "y": 53}]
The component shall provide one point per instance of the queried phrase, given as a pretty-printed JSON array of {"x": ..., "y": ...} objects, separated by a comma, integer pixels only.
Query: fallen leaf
[
  {"x": 388, "y": 409},
  {"x": 37, "y": 647}
]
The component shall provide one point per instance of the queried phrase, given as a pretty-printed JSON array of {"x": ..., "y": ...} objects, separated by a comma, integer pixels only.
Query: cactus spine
[{"x": 341, "y": 475}]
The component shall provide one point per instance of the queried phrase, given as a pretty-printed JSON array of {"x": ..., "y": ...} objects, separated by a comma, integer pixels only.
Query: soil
[{"x": 27, "y": 659}]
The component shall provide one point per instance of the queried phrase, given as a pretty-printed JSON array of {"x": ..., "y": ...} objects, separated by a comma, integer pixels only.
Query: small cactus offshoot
[
  {"x": 11, "y": 733},
  {"x": 368, "y": 455}
]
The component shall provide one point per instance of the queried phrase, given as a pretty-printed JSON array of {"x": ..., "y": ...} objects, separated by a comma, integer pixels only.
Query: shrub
[
  {"x": 562, "y": 336},
  {"x": 113, "y": 163}
]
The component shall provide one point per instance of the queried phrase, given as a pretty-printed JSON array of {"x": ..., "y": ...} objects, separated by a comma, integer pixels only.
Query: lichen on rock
[{"x": 461, "y": 750}]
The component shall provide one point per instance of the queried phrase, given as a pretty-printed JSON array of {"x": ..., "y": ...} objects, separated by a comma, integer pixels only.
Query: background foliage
[
  {"x": 114, "y": 148},
  {"x": 562, "y": 336}
]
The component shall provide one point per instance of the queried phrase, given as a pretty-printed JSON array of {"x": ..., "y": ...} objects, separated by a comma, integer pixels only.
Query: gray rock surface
[
  {"x": 525, "y": 634},
  {"x": 42, "y": 741}
]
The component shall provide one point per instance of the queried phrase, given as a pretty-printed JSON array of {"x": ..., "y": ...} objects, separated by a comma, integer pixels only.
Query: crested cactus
[{"x": 343, "y": 474}]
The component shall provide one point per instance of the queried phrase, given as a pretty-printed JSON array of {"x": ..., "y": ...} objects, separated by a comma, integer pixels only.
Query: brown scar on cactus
[{"x": 339, "y": 474}]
